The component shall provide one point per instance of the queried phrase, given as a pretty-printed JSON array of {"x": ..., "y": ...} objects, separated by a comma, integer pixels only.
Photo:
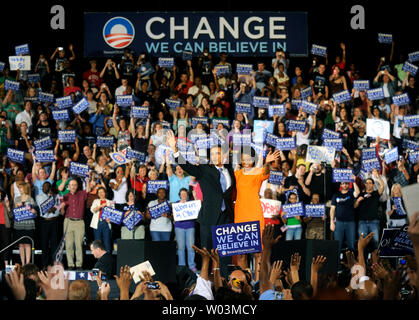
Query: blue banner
[
  {"x": 159, "y": 209},
  {"x": 242, "y": 139},
  {"x": 315, "y": 210},
  {"x": 34, "y": 77},
  {"x": 309, "y": 107},
  {"x": 318, "y": 50},
  {"x": 145, "y": 69},
  {"x": 173, "y": 104},
  {"x": 260, "y": 102},
  {"x": 276, "y": 177},
  {"x": 369, "y": 153},
  {"x": 139, "y": 112},
  {"x": 244, "y": 68},
  {"x": 23, "y": 213},
  {"x": 342, "y": 96},
  {"x": 342, "y": 175},
  {"x": 375, "y": 94},
  {"x": 16, "y": 155},
  {"x": 370, "y": 164},
  {"x": 79, "y": 169},
  {"x": 306, "y": 93},
  {"x": 186, "y": 55},
  {"x": 64, "y": 102},
  {"x": 132, "y": 219},
  {"x": 385, "y": 38},
  {"x": 286, "y": 143},
  {"x": 409, "y": 67},
  {"x": 166, "y": 62},
  {"x": 42, "y": 144},
  {"x": 45, "y": 97},
  {"x": 410, "y": 144},
  {"x": 216, "y": 122},
  {"x": 190, "y": 156},
  {"x": 134, "y": 154},
  {"x": 243, "y": 108},
  {"x": 44, "y": 155},
  {"x": 293, "y": 210},
  {"x": 411, "y": 121},
  {"x": 22, "y": 49},
  {"x": 154, "y": 185},
  {"x": 401, "y": 99},
  {"x": 400, "y": 210},
  {"x": 47, "y": 205},
  {"x": 222, "y": 70},
  {"x": 206, "y": 143},
  {"x": 361, "y": 85},
  {"x": 333, "y": 143},
  {"x": 11, "y": 85},
  {"x": 391, "y": 155},
  {"x": 115, "y": 216},
  {"x": 402, "y": 240},
  {"x": 276, "y": 109},
  {"x": 414, "y": 157},
  {"x": 237, "y": 33},
  {"x": 413, "y": 56},
  {"x": 105, "y": 142},
  {"x": 60, "y": 115},
  {"x": 196, "y": 120},
  {"x": 329, "y": 134},
  {"x": 296, "y": 104},
  {"x": 271, "y": 139},
  {"x": 197, "y": 136},
  {"x": 67, "y": 136},
  {"x": 124, "y": 100},
  {"x": 80, "y": 106},
  {"x": 237, "y": 238},
  {"x": 298, "y": 125}
]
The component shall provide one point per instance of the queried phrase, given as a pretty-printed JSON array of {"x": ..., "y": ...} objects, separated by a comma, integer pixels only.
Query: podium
[{"x": 307, "y": 250}]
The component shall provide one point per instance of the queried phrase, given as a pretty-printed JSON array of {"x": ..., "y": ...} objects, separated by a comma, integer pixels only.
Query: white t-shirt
[
  {"x": 303, "y": 138},
  {"x": 397, "y": 128},
  {"x": 119, "y": 195},
  {"x": 161, "y": 224}
]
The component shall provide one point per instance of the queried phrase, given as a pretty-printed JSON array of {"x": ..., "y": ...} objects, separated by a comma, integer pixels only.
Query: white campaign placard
[
  {"x": 20, "y": 62},
  {"x": 378, "y": 128},
  {"x": 270, "y": 207},
  {"x": 186, "y": 211},
  {"x": 318, "y": 154},
  {"x": 137, "y": 271}
]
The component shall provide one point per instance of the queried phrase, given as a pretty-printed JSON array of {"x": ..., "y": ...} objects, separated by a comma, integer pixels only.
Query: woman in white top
[
  {"x": 14, "y": 190},
  {"x": 161, "y": 227},
  {"x": 121, "y": 127},
  {"x": 303, "y": 137},
  {"x": 102, "y": 228},
  {"x": 119, "y": 187}
]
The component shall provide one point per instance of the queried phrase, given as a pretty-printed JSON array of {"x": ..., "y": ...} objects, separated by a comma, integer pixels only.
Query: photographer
[{"x": 110, "y": 76}]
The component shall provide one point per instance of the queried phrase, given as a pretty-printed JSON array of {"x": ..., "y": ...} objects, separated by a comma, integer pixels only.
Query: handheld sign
[
  {"x": 342, "y": 96},
  {"x": 369, "y": 153},
  {"x": 378, "y": 128},
  {"x": 409, "y": 67},
  {"x": 22, "y": 49},
  {"x": 270, "y": 208},
  {"x": 413, "y": 56},
  {"x": 400, "y": 210},
  {"x": 261, "y": 102},
  {"x": 276, "y": 177},
  {"x": 276, "y": 109},
  {"x": 206, "y": 143},
  {"x": 410, "y": 144},
  {"x": 186, "y": 211},
  {"x": 11, "y": 85},
  {"x": 222, "y": 70},
  {"x": 319, "y": 154},
  {"x": 385, "y": 38},
  {"x": 309, "y": 107},
  {"x": 292, "y": 210},
  {"x": 154, "y": 185},
  {"x": 140, "y": 112},
  {"x": 158, "y": 210},
  {"x": 342, "y": 175},
  {"x": 45, "y": 97},
  {"x": 242, "y": 139},
  {"x": 391, "y": 155},
  {"x": 329, "y": 134},
  {"x": 145, "y": 69},
  {"x": 186, "y": 55},
  {"x": 386, "y": 248},
  {"x": 60, "y": 115},
  {"x": 216, "y": 122},
  {"x": 361, "y": 85},
  {"x": 132, "y": 219},
  {"x": 79, "y": 169},
  {"x": 306, "y": 93},
  {"x": 22, "y": 63},
  {"x": 124, "y": 100},
  {"x": 315, "y": 210},
  {"x": 411, "y": 199},
  {"x": 237, "y": 238},
  {"x": 47, "y": 205},
  {"x": 67, "y": 136},
  {"x": 243, "y": 108},
  {"x": 22, "y": 213},
  {"x": 411, "y": 121},
  {"x": 401, "y": 99},
  {"x": 286, "y": 143},
  {"x": 173, "y": 104},
  {"x": 402, "y": 240},
  {"x": 45, "y": 155},
  {"x": 80, "y": 106},
  {"x": 115, "y": 216},
  {"x": 297, "y": 125},
  {"x": 196, "y": 120},
  {"x": 166, "y": 62},
  {"x": 134, "y": 154},
  {"x": 318, "y": 50},
  {"x": 15, "y": 155},
  {"x": 296, "y": 104},
  {"x": 245, "y": 69},
  {"x": 118, "y": 157},
  {"x": 64, "y": 102},
  {"x": 259, "y": 149},
  {"x": 261, "y": 128},
  {"x": 271, "y": 139},
  {"x": 375, "y": 94},
  {"x": 336, "y": 144},
  {"x": 34, "y": 78},
  {"x": 42, "y": 144},
  {"x": 105, "y": 142},
  {"x": 414, "y": 157},
  {"x": 370, "y": 164}
]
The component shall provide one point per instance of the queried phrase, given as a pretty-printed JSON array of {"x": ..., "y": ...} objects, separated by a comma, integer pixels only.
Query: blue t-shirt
[
  {"x": 39, "y": 184},
  {"x": 344, "y": 203},
  {"x": 175, "y": 184}
]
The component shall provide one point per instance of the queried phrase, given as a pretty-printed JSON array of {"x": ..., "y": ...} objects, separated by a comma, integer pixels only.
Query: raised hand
[
  {"x": 363, "y": 241},
  {"x": 317, "y": 263},
  {"x": 15, "y": 282},
  {"x": 268, "y": 240},
  {"x": 53, "y": 290},
  {"x": 276, "y": 271},
  {"x": 379, "y": 271},
  {"x": 123, "y": 282},
  {"x": 171, "y": 140},
  {"x": 295, "y": 262},
  {"x": 272, "y": 156}
]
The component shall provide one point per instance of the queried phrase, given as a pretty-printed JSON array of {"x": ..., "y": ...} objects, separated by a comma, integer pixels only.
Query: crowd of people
[{"x": 191, "y": 142}]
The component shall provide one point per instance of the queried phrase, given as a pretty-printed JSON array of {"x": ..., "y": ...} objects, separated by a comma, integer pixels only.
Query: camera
[
  {"x": 153, "y": 286},
  {"x": 10, "y": 268},
  {"x": 60, "y": 48}
]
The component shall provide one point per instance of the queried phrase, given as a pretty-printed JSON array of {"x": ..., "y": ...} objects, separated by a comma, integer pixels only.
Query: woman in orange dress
[{"x": 248, "y": 182}]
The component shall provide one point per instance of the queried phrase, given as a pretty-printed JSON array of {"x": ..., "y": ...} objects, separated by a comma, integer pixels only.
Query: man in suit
[{"x": 217, "y": 184}]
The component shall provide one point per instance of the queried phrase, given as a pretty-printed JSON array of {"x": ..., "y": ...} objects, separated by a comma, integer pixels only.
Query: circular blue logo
[{"x": 118, "y": 32}]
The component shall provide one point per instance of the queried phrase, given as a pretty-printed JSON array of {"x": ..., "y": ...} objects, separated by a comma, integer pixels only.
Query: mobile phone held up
[{"x": 153, "y": 286}]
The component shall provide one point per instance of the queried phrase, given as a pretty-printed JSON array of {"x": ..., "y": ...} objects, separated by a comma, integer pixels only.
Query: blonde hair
[
  {"x": 25, "y": 186},
  {"x": 396, "y": 185},
  {"x": 151, "y": 171},
  {"x": 79, "y": 290}
]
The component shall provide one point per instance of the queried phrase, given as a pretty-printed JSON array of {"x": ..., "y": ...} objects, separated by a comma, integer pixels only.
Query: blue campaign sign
[
  {"x": 79, "y": 169},
  {"x": 16, "y": 155},
  {"x": 369, "y": 153},
  {"x": 361, "y": 85},
  {"x": 132, "y": 219},
  {"x": 134, "y": 154},
  {"x": 42, "y": 144},
  {"x": 34, "y": 77},
  {"x": 409, "y": 67},
  {"x": 333, "y": 143},
  {"x": 261, "y": 128},
  {"x": 401, "y": 99},
  {"x": 47, "y": 205},
  {"x": 244, "y": 68},
  {"x": 271, "y": 139},
  {"x": 45, "y": 97},
  {"x": 166, "y": 62},
  {"x": 197, "y": 136},
  {"x": 242, "y": 139},
  {"x": 124, "y": 100},
  {"x": 217, "y": 138},
  {"x": 2, "y": 65},
  {"x": 260, "y": 102},
  {"x": 342, "y": 175},
  {"x": 173, "y": 104},
  {"x": 243, "y": 108},
  {"x": 11, "y": 85},
  {"x": 411, "y": 121},
  {"x": 186, "y": 55},
  {"x": 140, "y": 112},
  {"x": 115, "y": 216},
  {"x": 222, "y": 70},
  {"x": 22, "y": 49},
  {"x": 414, "y": 157},
  {"x": 315, "y": 210},
  {"x": 298, "y": 125},
  {"x": 385, "y": 38},
  {"x": 400, "y": 210},
  {"x": 402, "y": 240},
  {"x": 196, "y": 120},
  {"x": 370, "y": 164},
  {"x": 189, "y": 156},
  {"x": 105, "y": 142},
  {"x": 80, "y": 106},
  {"x": 67, "y": 136},
  {"x": 237, "y": 238},
  {"x": 61, "y": 115},
  {"x": 318, "y": 50},
  {"x": 145, "y": 69},
  {"x": 206, "y": 143},
  {"x": 296, "y": 104},
  {"x": 237, "y": 33},
  {"x": 413, "y": 56},
  {"x": 216, "y": 122},
  {"x": 375, "y": 94},
  {"x": 276, "y": 109},
  {"x": 276, "y": 177},
  {"x": 342, "y": 96},
  {"x": 44, "y": 155},
  {"x": 309, "y": 107},
  {"x": 22, "y": 213},
  {"x": 410, "y": 144},
  {"x": 329, "y": 134},
  {"x": 259, "y": 149},
  {"x": 305, "y": 93},
  {"x": 64, "y": 102},
  {"x": 286, "y": 143},
  {"x": 293, "y": 209},
  {"x": 159, "y": 209},
  {"x": 154, "y": 185},
  {"x": 391, "y": 155}
]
